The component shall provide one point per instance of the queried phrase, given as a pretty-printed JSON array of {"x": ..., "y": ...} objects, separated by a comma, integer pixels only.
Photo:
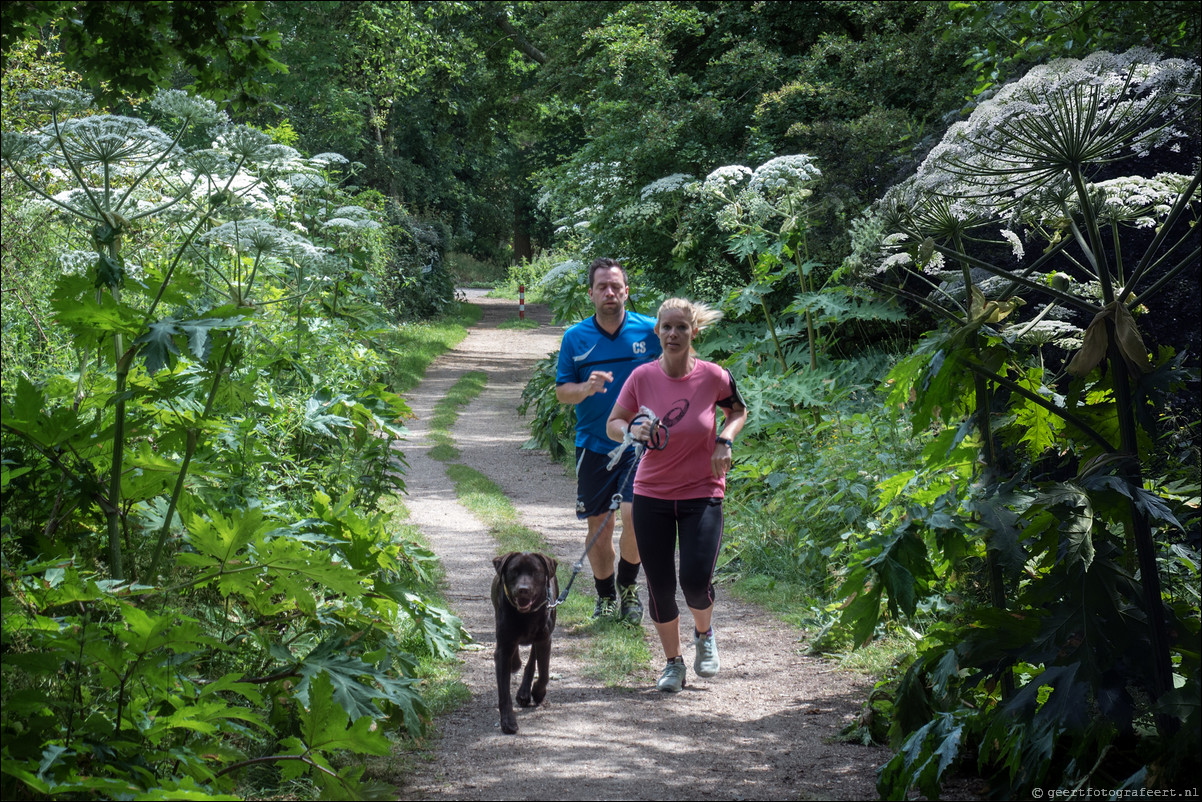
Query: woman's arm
[
  {"x": 619, "y": 422},
  {"x": 733, "y": 420}
]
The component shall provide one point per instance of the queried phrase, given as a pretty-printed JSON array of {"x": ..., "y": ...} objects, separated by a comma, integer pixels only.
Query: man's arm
[{"x": 575, "y": 392}]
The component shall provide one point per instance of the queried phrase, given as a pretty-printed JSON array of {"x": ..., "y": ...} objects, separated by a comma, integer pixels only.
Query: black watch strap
[{"x": 726, "y": 441}]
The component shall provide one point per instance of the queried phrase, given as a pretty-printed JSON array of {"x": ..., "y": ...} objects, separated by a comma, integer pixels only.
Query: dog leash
[{"x": 656, "y": 441}]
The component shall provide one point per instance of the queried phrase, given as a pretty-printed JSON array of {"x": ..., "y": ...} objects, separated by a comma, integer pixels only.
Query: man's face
[{"x": 609, "y": 291}]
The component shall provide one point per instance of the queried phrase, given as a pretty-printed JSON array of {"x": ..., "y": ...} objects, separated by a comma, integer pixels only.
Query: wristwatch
[{"x": 726, "y": 441}]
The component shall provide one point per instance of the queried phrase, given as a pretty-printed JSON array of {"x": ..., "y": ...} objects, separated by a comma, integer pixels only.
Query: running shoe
[
  {"x": 605, "y": 608},
  {"x": 672, "y": 680},
  {"x": 705, "y": 663},
  {"x": 632, "y": 609}
]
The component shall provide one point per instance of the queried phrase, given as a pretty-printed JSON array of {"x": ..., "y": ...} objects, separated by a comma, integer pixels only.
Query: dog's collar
[{"x": 548, "y": 602}]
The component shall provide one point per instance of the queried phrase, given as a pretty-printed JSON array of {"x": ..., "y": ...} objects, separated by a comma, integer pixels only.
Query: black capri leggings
[{"x": 698, "y": 522}]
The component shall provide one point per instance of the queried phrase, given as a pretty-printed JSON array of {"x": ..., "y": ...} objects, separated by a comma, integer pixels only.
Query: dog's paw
[
  {"x": 523, "y": 697},
  {"x": 538, "y": 694},
  {"x": 509, "y": 724}
]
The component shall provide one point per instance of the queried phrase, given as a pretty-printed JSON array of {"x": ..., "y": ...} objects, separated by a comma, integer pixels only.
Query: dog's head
[{"x": 524, "y": 577}]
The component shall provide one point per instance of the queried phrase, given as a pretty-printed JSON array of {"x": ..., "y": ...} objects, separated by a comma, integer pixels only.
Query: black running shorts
[{"x": 595, "y": 486}]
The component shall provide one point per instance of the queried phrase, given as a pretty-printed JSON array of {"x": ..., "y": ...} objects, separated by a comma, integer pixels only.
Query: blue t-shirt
[{"x": 587, "y": 347}]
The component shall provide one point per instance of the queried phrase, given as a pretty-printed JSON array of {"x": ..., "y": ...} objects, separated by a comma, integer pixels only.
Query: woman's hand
[
  {"x": 641, "y": 431},
  {"x": 720, "y": 460}
]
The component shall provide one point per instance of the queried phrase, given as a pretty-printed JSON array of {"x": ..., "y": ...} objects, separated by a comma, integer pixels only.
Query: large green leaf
[{"x": 357, "y": 686}]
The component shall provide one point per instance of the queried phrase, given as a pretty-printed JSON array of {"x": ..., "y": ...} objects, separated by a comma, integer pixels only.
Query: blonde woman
[{"x": 678, "y": 491}]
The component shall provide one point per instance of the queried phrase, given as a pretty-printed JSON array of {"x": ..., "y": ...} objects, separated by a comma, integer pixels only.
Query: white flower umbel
[
  {"x": 1059, "y": 118},
  {"x": 328, "y": 159},
  {"x": 571, "y": 270},
  {"x": 356, "y": 213},
  {"x": 77, "y": 262},
  {"x": 209, "y": 163},
  {"x": 1141, "y": 202},
  {"x": 785, "y": 175},
  {"x": 16, "y": 146},
  {"x": 351, "y": 224},
  {"x": 726, "y": 181},
  {"x": 245, "y": 143},
  {"x": 1057, "y": 332},
  {"x": 59, "y": 100},
  {"x": 1016, "y": 244},
  {"x": 667, "y": 184},
  {"x": 258, "y": 237},
  {"x": 186, "y": 107},
  {"x": 108, "y": 140}
]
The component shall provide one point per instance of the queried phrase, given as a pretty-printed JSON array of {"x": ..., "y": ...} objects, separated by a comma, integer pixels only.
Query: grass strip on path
[
  {"x": 446, "y": 412},
  {"x": 411, "y": 347}
]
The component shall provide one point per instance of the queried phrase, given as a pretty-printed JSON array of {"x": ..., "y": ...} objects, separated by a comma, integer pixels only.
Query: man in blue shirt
[{"x": 596, "y": 357}]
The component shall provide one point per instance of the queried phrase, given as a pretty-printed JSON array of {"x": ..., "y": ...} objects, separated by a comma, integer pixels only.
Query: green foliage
[
  {"x": 1058, "y": 650},
  {"x": 553, "y": 425},
  {"x": 162, "y": 642},
  {"x": 1027, "y": 33},
  {"x": 224, "y": 47}
]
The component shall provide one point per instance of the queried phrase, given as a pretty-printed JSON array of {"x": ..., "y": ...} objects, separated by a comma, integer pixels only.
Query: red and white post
[{"x": 521, "y": 302}]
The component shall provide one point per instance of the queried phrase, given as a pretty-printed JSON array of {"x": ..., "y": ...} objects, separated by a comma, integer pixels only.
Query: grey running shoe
[
  {"x": 632, "y": 608},
  {"x": 605, "y": 608},
  {"x": 705, "y": 663},
  {"x": 672, "y": 680}
]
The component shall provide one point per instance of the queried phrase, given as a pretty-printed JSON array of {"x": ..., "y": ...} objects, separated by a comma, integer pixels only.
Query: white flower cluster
[
  {"x": 327, "y": 159},
  {"x": 76, "y": 200},
  {"x": 177, "y": 103},
  {"x": 77, "y": 262},
  {"x": 351, "y": 218},
  {"x": 725, "y": 181},
  {"x": 1069, "y": 112},
  {"x": 1142, "y": 202},
  {"x": 1056, "y": 332},
  {"x": 785, "y": 174},
  {"x": 306, "y": 182},
  {"x": 571, "y": 270},
  {"x": 259, "y": 237},
  {"x": 669, "y": 183},
  {"x": 644, "y": 210},
  {"x": 246, "y": 143},
  {"x": 899, "y": 259},
  {"x": 56, "y": 100},
  {"x": 1016, "y": 244},
  {"x": 207, "y": 162},
  {"x": 16, "y": 146},
  {"x": 108, "y": 139}
]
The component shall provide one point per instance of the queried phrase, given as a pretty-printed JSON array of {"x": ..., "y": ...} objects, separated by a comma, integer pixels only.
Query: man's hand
[{"x": 597, "y": 381}]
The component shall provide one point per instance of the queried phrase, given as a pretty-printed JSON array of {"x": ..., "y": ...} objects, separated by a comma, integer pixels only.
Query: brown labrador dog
[{"x": 523, "y": 594}]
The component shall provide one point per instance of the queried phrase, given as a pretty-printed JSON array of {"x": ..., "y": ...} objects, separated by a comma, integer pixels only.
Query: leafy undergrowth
[{"x": 203, "y": 593}]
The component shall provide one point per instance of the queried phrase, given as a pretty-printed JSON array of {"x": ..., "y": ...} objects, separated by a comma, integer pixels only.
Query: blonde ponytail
[{"x": 700, "y": 315}]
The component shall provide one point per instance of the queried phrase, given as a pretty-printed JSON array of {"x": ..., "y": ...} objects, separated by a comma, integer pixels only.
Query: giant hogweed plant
[
  {"x": 766, "y": 215},
  {"x": 1080, "y": 668},
  {"x": 271, "y": 626}
]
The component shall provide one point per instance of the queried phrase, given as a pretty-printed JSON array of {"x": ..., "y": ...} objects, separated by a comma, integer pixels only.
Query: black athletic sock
[
  {"x": 628, "y": 573},
  {"x": 605, "y": 587}
]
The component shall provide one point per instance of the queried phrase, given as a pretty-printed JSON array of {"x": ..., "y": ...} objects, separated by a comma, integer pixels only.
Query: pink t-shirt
[{"x": 686, "y": 408}]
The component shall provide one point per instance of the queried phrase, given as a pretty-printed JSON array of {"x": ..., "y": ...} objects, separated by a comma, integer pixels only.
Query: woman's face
[{"x": 675, "y": 332}]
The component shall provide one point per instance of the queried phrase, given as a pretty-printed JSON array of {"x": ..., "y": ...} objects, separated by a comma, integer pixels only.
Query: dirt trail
[{"x": 762, "y": 729}]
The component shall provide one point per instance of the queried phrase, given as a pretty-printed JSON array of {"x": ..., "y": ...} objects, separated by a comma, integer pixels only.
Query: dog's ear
[
  {"x": 550, "y": 562},
  {"x": 499, "y": 562}
]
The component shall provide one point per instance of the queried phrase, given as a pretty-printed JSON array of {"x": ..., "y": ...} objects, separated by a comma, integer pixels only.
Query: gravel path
[{"x": 762, "y": 729}]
